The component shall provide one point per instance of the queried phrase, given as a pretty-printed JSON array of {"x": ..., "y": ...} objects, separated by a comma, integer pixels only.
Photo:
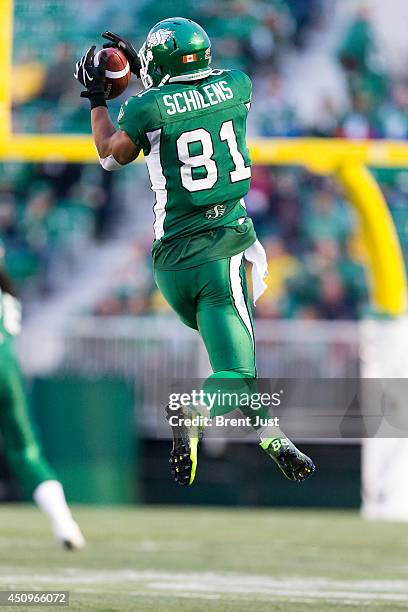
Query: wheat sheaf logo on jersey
[
  {"x": 159, "y": 37},
  {"x": 216, "y": 211}
]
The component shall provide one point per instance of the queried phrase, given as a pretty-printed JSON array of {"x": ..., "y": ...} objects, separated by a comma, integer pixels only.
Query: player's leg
[
  {"x": 225, "y": 323},
  {"x": 25, "y": 458},
  {"x": 179, "y": 288}
]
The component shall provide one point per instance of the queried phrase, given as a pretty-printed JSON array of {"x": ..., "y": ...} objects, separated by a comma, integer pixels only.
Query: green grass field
[{"x": 169, "y": 559}]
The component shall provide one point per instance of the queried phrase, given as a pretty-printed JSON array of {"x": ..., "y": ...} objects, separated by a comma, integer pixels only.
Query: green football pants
[
  {"x": 21, "y": 448},
  {"x": 213, "y": 299}
]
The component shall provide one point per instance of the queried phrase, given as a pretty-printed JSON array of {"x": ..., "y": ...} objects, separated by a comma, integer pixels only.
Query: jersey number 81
[{"x": 205, "y": 159}]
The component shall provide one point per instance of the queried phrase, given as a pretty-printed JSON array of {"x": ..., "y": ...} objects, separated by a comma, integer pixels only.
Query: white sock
[{"x": 49, "y": 496}]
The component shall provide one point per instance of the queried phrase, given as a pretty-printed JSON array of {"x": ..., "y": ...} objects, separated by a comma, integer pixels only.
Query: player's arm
[
  {"x": 112, "y": 145},
  {"x": 115, "y": 148}
]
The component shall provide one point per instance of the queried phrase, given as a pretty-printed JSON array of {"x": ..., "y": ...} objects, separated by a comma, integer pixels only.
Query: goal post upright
[
  {"x": 383, "y": 349},
  {"x": 387, "y": 277},
  {"x": 6, "y": 50}
]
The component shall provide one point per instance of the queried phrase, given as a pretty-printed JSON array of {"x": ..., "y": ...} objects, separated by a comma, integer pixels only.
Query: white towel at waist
[{"x": 256, "y": 255}]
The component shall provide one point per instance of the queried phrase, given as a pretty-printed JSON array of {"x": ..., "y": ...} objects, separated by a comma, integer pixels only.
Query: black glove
[
  {"x": 127, "y": 48},
  {"x": 92, "y": 77}
]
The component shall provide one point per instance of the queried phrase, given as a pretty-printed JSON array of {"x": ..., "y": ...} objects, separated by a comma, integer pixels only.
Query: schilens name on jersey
[{"x": 193, "y": 100}]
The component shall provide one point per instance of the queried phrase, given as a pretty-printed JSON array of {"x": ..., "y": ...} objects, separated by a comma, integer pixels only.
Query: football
[{"x": 117, "y": 72}]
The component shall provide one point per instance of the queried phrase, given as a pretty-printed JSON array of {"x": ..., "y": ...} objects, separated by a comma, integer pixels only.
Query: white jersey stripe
[
  {"x": 238, "y": 292},
  {"x": 158, "y": 181}
]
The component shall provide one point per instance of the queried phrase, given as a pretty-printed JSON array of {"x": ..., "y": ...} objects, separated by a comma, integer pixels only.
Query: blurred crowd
[
  {"x": 315, "y": 256},
  {"x": 253, "y": 35},
  {"x": 49, "y": 215}
]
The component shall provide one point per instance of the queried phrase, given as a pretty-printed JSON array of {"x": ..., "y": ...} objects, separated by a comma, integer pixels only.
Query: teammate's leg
[{"x": 25, "y": 458}]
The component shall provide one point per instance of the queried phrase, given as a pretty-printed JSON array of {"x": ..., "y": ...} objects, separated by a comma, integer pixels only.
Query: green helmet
[{"x": 176, "y": 49}]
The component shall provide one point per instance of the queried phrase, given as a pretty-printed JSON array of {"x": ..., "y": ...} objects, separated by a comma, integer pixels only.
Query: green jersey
[{"x": 194, "y": 142}]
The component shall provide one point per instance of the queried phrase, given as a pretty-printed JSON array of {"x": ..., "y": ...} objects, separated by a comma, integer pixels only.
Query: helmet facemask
[{"x": 145, "y": 56}]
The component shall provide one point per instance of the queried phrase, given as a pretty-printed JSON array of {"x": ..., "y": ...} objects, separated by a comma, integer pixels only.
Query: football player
[
  {"x": 21, "y": 447},
  {"x": 190, "y": 123}
]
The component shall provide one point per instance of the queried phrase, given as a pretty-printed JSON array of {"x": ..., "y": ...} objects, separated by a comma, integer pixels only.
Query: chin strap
[{"x": 164, "y": 80}]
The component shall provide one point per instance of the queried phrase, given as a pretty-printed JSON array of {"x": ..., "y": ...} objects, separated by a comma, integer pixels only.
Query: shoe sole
[
  {"x": 295, "y": 474},
  {"x": 286, "y": 461},
  {"x": 184, "y": 455}
]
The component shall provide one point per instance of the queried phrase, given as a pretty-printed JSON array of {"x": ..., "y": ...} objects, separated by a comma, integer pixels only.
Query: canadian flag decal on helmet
[{"x": 189, "y": 58}]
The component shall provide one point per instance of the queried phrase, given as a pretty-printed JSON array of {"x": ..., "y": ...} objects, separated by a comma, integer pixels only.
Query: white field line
[
  {"x": 250, "y": 599},
  {"x": 215, "y": 585}
]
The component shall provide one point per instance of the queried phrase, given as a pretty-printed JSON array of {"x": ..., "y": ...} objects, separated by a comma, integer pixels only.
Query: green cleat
[
  {"x": 186, "y": 437},
  {"x": 295, "y": 465}
]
